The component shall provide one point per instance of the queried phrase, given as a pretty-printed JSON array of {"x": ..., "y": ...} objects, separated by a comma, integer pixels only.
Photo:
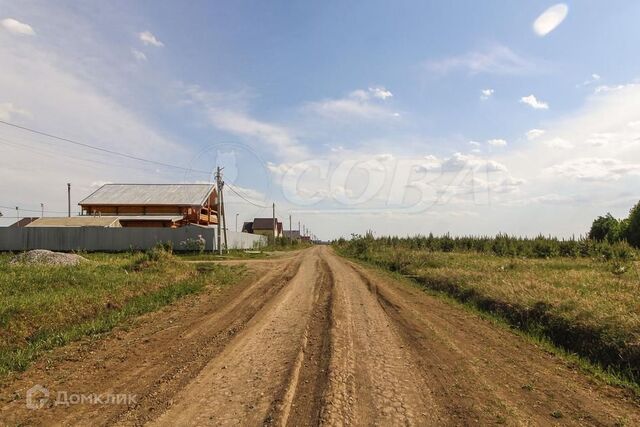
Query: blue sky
[{"x": 402, "y": 117}]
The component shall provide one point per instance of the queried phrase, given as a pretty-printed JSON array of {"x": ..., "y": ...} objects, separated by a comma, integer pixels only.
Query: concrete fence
[{"x": 116, "y": 239}]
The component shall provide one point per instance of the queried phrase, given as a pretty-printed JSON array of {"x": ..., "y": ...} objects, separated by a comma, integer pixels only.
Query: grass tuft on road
[{"x": 43, "y": 307}]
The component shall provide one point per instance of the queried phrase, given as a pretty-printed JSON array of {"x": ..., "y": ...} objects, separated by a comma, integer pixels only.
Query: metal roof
[
  {"x": 98, "y": 221},
  {"x": 263, "y": 224},
  {"x": 150, "y": 194},
  {"x": 74, "y": 221},
  {"x": 173, "y": 218}
]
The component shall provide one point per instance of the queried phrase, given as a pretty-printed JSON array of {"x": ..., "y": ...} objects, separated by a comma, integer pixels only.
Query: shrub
[
  {"x": 605, "y": 228},
  {"x": 364, "y": 247},
  {"x": 632, "y": 226},
  {"x": 193, "y": 244}
]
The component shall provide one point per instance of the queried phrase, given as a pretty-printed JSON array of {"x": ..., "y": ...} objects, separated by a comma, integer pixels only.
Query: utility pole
[
  {"x": 224, "y": 218},
  {"x": 69, "y": 198},
  {"x": 219, "y": 188},
  {"x": 18, "y": 215},
  {"x": 237, "y": 222},
  {"x": 275, "y": 225},
  {"x": 42, "y": 209},
  {"x": 290, "y": 228}
]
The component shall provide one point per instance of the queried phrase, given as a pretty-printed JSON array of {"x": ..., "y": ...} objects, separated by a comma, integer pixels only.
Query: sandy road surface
[{"x": 312, "y": 339}]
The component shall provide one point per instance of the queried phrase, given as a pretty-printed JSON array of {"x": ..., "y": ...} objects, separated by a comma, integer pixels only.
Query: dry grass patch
[{"x": 584, "y": 305}]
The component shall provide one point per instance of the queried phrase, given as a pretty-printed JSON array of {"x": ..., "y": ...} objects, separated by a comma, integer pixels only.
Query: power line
[
  {"x": 104, "y": 150},
  {"x": 52, "y": 154},
  {"x": 30, "y": 210},
  {"x": 244, "y": 198}
]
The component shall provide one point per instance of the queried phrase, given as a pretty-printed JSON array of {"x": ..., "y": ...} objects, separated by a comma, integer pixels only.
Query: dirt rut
[{"x": 313, "y": 339}]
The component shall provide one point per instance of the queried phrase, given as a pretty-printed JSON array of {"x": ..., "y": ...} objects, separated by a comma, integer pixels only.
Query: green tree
[
  {"x": 632, "y": 226},
  {"x": 605, "y": 228}
]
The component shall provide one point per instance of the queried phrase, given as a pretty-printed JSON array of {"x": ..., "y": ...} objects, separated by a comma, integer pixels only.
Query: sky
[{"x": 403, "y": 118}]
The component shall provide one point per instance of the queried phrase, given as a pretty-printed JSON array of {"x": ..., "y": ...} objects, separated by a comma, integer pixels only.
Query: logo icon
[{"x": 37, "y": 397}]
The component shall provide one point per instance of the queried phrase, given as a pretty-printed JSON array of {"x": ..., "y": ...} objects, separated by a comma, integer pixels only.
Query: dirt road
[{"x": 312, "y": 339}]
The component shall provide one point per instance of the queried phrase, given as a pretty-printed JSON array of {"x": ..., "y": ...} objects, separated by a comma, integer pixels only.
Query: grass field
[
  {"x": 589, "y": 306},
  {"x": 42, "y": 307}
]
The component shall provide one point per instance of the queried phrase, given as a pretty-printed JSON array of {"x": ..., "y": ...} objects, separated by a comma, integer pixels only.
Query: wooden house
[
  {"x": 154, "y": 205},
  {"x": 263, "y": 226}
]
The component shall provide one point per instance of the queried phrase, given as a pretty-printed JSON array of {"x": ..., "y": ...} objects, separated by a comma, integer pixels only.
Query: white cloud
[
  {"x": 149, "y": 39},
  {"x": 550, "y": 19},
  {"x": 8, "y": 111},
  {"x": 608, "y": 88},
  {"x": 380, "y": 92},
  {"x": 474, "y": 143},
  {"x": 460, "y": 161},
  {"x": 228, "y": 112},
  {"x": 546, "y": 199},
  {"x": 601, "y": 139},
  {"x": 559, "y": 143},
  {"x": 17, "y": 27},
  {"x": 534, "y": 134},
  {"x": 359, "y": 103},
  {"x": 486, "y": 94},
  {"x": 281, "y": 139},
  {"x": 497, "y": 142},
  {"x": 593, "y": 79},
  {"x": 63, "y": 101},
  {"x": 496, "y": 59},
  {"x": 535, "y": 103},
  {"x": 596, "y": 169},
  {"x": 140, "y": 56}
]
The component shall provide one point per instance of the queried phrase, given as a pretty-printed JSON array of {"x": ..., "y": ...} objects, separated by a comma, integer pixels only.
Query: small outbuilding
[{"x": 263, "y": 226}]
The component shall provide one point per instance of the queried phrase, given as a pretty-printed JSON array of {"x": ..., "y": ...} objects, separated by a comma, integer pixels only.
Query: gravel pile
[{"x": 45, "y": 257}]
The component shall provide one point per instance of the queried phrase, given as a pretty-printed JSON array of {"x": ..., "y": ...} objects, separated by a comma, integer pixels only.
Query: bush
[
  {"x": 605, "y": 228},
  {"x": 194, "y": 245},
  {"x": 632, "y": 226},
  {"x": 502, "y": 245}
]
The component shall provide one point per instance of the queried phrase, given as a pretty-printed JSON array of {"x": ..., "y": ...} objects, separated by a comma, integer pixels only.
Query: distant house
[
  {"x": 263, "y": 226},
  {"x": 153, "y": 205}
]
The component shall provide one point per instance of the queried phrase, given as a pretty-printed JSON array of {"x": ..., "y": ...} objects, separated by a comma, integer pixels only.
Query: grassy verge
[
  {"x": 43, "y": 307},
  {"x": 584, "y": 306},
  {"x": 283, "y": 245},
  {"x": 232, "y": 254}
]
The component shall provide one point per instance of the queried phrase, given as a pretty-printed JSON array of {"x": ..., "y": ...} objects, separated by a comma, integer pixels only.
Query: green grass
[
  {"x": 232, "y": 254},
  {"x": 283, "y": 245},
  {"x": 582, "y": 305},
  {"x": 43, "y": 307}
]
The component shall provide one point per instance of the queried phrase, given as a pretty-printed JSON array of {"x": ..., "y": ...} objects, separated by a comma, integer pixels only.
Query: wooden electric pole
[
  {"x": 275, "y": 225},
  {"x": 219, "y": 197},
  {"x": 224, "y": 218},
  {"x": 69, "y": 198}
]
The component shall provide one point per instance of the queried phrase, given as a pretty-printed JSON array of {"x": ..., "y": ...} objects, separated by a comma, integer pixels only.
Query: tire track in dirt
[
  {"x": 374, "y": 378},
  {"x": 248, "y": 381},
  {"x": 304, "y": 399},
  {"x": 318, "y": 340},
  {"x": 483, "y": 374},
  {"x": 154, "y": 360}
]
